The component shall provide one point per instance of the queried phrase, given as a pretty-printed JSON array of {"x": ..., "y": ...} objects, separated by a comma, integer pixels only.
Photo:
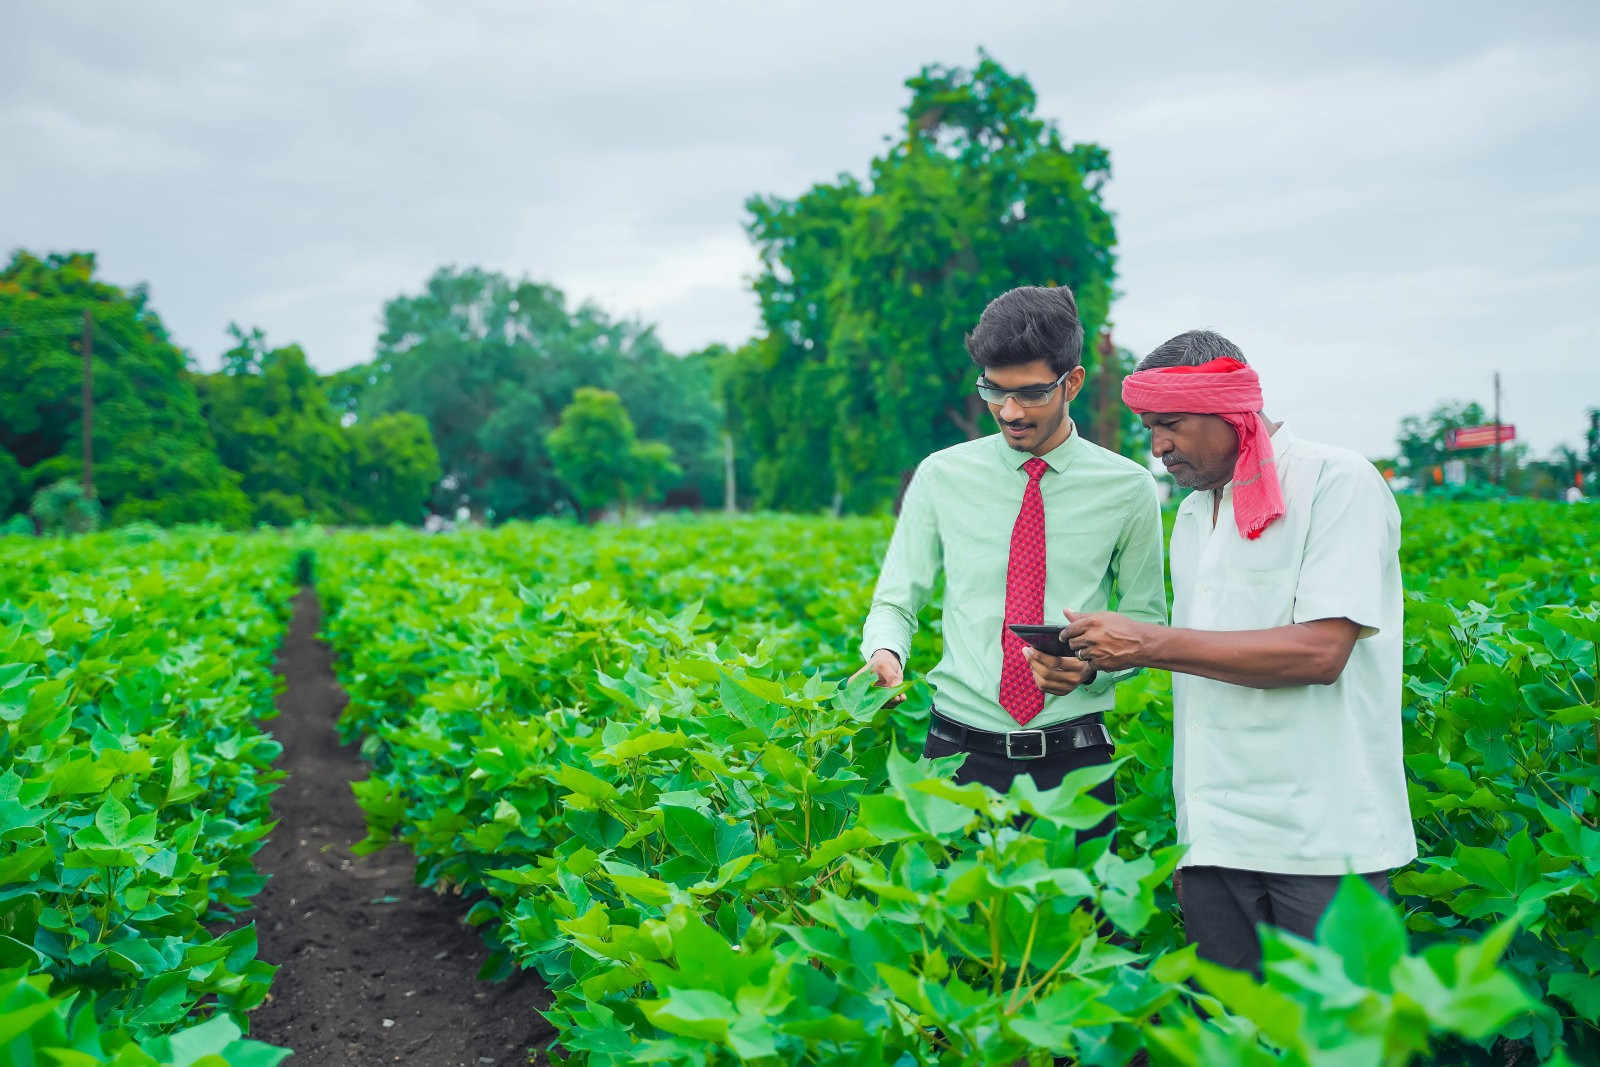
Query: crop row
[
  {"x": 134, "y": 669},
  {"x": 631, "y": 751}
]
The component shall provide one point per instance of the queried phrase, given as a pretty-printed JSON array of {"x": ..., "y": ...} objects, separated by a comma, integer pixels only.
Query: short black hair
[
  {"x": 1190, "y": 350},
  {"x": 1029, "y": 323}
]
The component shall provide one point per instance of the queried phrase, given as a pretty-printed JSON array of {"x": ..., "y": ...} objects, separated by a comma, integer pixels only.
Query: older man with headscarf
[{"x": 1285, "y": 651}]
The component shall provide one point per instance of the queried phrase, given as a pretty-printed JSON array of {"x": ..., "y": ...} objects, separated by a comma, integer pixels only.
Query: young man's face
[
  {"x": 1028, "y": 427},
  {"x": 1199, "y": 451}
]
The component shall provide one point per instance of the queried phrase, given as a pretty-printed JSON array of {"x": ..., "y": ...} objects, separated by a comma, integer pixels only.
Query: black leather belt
[{"x": 1024, "y": 744}]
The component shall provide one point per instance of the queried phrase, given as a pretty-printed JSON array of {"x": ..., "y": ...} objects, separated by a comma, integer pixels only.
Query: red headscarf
[{"x": 1231, "y": 391}]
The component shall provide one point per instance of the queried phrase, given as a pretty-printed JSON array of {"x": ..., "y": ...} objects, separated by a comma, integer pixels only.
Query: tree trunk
[
  {"x": 968, "y": 421},
  {"x": 730, "y": 483},
  {"x": 905, "y": 483}
]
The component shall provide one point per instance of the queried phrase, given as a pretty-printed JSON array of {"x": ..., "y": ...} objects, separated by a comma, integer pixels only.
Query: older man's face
[{"x": 1199, "y": 451}]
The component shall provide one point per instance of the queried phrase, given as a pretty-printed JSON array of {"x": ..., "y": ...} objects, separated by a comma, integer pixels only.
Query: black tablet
[{"x": 1044, "y": 638}]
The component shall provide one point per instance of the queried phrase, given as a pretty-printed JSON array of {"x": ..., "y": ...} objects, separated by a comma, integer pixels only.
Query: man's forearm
[
  {"x": 888, "y": 626},
  {"x": 1311, "y": 653}
]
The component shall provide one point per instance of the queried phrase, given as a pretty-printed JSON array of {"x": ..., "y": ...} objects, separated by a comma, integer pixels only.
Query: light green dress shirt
[{"x": 1102, "y": 523}]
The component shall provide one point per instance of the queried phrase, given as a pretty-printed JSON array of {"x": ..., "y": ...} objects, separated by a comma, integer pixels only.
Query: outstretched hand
[{"x": 1106, "y": 640}]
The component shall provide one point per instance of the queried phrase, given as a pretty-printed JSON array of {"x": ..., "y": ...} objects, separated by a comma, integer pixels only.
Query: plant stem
[
  {"x": 997, "y": 970},
  {"x": 1051, "y": 973},
  {"x": 1022, "y": 968}
]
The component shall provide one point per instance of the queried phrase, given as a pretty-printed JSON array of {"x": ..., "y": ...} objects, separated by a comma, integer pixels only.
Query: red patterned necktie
[{"x": 1024, "y": 600}]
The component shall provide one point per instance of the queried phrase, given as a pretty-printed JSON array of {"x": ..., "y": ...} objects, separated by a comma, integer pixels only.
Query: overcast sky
[{"x": 1380, "y": 202}]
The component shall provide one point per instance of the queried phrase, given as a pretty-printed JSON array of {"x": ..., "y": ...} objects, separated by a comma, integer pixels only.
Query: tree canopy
[
  {"x": 273, "y": 423},
  {"x": 153, "y": 456},
  {"x": 598, "y": 455},
  {"x": 868, "y": 287},
  {"x": 491, "y": 362}
]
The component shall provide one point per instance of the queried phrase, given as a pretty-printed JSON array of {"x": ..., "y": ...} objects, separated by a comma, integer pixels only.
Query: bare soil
[{"x": 373, "y": 969}]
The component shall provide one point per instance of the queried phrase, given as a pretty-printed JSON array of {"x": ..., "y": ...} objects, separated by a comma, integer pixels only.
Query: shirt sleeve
[
  {"x": 910, "y": 569},
  {"x": 1354, "y": 536},
  {"x": 1138, "y": 568}
]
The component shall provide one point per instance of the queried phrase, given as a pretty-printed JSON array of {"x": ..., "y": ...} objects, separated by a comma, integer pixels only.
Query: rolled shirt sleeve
[
  {"x": 1353, "y": 539},
  {"x": 910, "y": 569}
]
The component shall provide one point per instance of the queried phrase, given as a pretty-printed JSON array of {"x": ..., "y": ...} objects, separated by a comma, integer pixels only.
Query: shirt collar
[
  {"x": 1282, "y": 439},
  {"x": 1058, "y": 458}
]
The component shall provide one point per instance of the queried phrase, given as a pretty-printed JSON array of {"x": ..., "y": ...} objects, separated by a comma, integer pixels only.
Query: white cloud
[{"x": 1381, "y": 202}]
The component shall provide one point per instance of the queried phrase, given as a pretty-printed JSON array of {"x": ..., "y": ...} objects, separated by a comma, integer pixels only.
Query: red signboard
[{"x": 1478, "y": 436}]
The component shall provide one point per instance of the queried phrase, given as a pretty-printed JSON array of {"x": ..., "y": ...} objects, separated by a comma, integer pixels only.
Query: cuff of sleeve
[
  {"x": 1105, "y": 681},
  {"x": 1305, "y": 611},
  {"x": 873, "y": 640}
]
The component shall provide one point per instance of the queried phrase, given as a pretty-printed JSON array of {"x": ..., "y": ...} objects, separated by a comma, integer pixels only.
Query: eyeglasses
[{"x": 1030, "y": 397}]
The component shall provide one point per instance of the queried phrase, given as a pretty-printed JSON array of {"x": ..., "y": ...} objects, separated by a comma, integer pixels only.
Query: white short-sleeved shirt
[{"x": 1305, "y": 779}]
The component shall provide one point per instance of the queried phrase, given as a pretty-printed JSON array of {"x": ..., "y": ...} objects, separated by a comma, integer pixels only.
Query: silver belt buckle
[{"x": 1011, "y": 737}]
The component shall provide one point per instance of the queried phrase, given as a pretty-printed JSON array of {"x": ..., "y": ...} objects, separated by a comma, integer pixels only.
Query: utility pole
[
  {"x": 88, "y": 404},
  {"x": 1496, "y": 427}
]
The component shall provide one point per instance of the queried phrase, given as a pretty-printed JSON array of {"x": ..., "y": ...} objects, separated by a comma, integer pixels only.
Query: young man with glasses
[{"x": 1024, "y": 524}]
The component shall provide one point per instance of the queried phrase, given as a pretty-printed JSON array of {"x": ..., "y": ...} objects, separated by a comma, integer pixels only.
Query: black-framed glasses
[{"x": 1030, "y": 397}]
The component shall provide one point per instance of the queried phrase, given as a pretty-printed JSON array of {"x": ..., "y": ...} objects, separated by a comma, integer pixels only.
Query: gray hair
[{"x": 1190, "y": 350}]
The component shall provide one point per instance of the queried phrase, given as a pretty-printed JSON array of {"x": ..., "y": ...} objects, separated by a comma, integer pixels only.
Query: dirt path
[{"x": 373, "y": 970}]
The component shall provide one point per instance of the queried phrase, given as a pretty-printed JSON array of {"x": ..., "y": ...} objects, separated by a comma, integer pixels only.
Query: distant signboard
[{"x": 1478, "y": 436}]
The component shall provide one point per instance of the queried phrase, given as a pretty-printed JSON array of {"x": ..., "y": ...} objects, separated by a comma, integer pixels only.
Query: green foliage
[
  {"x": 274, "y": 424},
  {"x": 598, "y": 457},
  {"x": 867, "y": 288},
  {"x": 1422, "y": 440},
  {"x": 11, "y": 482},
  {"x": 1355, "y": 996},
  {"x": 133, "y": 791},
  {"x": 491, "y": 363},
  {"x": 393, "y": 467},
  {"x": 38, "y": 1028},
  {"x": 620, "y": 744},
  {"x": 153, "y": 455},
  {"x": 64, "y": 508},
  {"x": 1422, "y": 450}
]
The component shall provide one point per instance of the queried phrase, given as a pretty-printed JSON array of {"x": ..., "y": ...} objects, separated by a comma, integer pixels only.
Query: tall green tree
[
  {"x": 273, "y": 424},
  {"x": 394, "y": 467},
  {"x": 491, "y": 362},
  {"x": 600, "y": 458},
  {"x": 154, "y": 457},
  {"x": 867, "y": 288},
  {"x": 297, "y": 458}
]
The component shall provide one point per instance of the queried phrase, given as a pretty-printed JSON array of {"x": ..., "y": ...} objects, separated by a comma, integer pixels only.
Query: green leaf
[
  {"x": 1365, "y": 931},
  {"x": 1582, "y": 991},
  {"x": 24, "y": 863},
  {"x": 696, "y": 1013},
  {"x": 112, "y": 820}
]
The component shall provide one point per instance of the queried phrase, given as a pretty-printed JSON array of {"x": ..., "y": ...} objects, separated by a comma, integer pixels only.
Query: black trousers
[
  {"x": 997, "y": 772},
  {"x": 1222, "y": 907}
]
